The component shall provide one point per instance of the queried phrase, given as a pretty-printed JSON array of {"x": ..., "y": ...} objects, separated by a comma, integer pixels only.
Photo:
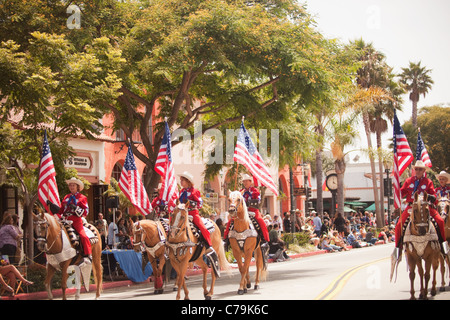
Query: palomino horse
[
  {"x": 52, "y": 239},
  {"x": 244, "y": 241},
  {"x": 443, "y": 208},
  {"x": 183, "y": 245},
  {"x": 421, "y": 244},
  {"x": 149, "y": 236}
]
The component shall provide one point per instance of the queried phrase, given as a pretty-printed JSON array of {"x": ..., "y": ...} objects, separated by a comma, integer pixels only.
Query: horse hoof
[
  {"x": 245, "y": 290},
  {"x": 256, "y": 287},
  {"x": 240, "y": 292},
  {"x": 442, "y": 289},
  {"x": 249, "y": 285},
  {"x": 208, "y": 298},
  {"x": 175, "y": 288}
]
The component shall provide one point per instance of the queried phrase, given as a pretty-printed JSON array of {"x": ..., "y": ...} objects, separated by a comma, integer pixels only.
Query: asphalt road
[{"x": 358, "y": 274}]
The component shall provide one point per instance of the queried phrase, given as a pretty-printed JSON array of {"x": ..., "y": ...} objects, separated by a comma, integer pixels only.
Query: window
[{"x": 117, "y": 170}]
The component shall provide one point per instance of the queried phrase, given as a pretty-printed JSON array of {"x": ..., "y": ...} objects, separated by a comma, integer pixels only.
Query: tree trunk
[
  {"x": 414, "y": 113},
  {"x": 319, "y": 175},
  {"x": 339, "y": 166},
  {"x": 372, "y": 163},
  {"x": 380, "y": 217}
]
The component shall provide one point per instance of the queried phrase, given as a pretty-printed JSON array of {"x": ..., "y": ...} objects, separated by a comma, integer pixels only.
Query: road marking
[{"x": 338, "y": 284}]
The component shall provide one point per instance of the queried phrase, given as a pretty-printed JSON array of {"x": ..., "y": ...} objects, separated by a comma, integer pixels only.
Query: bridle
[{"x": 42, "y": 227}]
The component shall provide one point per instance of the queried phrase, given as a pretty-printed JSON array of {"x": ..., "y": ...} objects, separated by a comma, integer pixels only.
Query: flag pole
[{"x": 237, "y": 167}]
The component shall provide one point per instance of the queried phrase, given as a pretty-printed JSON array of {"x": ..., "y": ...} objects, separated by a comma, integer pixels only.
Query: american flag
[
  {"x": 47, "y": 188},
  {"x": 403, "y": 156},
  {"x": 131, "y": 185},
  {"x": 164, "y": 167},
  {"x": 421, "y": 152},
  {"x": 246, "y": 154}
]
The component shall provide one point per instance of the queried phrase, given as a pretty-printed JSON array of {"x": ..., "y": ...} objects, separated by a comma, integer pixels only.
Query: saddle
[
  {"x": 420, "y": 242},
  {"x": 74, "y": 237}
]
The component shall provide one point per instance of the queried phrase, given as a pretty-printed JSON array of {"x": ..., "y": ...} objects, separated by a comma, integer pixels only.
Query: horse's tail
[
  {"x": 224, "y": 265},
  {"x": 263, "y": 265}
]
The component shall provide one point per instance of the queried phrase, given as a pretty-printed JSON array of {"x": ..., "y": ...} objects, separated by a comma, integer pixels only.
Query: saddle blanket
[
  {"x": 421, "y": 242},
  {"x": 209, "y": 225},
  {"x": 74, "y": 236}
]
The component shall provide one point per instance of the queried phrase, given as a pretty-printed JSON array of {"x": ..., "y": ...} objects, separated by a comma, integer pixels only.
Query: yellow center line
[{"x": 338, "y": 284}]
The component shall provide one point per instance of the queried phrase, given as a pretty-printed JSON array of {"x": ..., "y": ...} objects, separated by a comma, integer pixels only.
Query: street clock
[{"x": 332, "y": 182}]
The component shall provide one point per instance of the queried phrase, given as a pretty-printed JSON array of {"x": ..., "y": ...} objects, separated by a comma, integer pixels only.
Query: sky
[{"x": 404, "y": 30}]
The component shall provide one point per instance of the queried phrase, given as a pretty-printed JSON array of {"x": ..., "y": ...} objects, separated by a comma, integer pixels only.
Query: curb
[{"x": 42, "y": 295}]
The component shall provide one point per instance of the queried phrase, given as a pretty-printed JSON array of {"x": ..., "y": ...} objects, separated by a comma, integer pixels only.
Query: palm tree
[
  {"x": 417, "y": 81},
  {"x": 372, "y": 77},
  {"x": 343, "y": 132}
]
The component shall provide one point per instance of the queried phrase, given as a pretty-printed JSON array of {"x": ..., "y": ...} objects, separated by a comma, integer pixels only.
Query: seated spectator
[
  {"x": 370, "y": 239},
  {"x": 338, "y": 240},
  {"x": 382, "y": 235},
  {"x": 326, "y": 245},
  {"x": 9, "y": 271},
  {"x": 352, "y": 240},
  {"x": 277, "y": 246}
]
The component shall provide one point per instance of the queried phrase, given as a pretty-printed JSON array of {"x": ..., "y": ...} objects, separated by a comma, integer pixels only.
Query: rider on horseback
[
  {"x": 159, "y": 206},
  {"x": 444, "y": 180},
  {"x": 252, "y": 198},
  {"x": 74, "y": 207},
  {"x": 419, "y": 183},
  {"x": 190, "y": 195}
]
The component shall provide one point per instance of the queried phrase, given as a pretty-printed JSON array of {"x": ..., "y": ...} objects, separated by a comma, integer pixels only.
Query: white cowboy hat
[
  {"x": 187, "y": 176},
  {"x": 76, "y": 181},
  {"x": 420, "y": 164},
  {"x": 444, "y": 174},
  {"x": 246, "y": 177}
]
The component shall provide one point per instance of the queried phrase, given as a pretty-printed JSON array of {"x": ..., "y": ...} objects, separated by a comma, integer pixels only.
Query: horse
[
  {"x": 443, "y": 207},
  {"x": 52, "y": 238},
  {"x": 244, "y": 242},
  {"x": 149, "y": 236},
  {"x": 184, "y": 247},
  {"x": 421, "y": 243}
]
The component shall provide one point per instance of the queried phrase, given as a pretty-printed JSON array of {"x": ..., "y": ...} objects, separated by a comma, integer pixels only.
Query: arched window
[{"x": 117, "y": 170}]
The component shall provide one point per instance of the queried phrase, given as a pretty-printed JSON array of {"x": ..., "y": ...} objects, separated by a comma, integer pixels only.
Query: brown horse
[
  {"x": 149, "y": 236},
  {"x": 421, "y": 244},
  {"x": 52, "y": 238},
  {"x": 182, "y": 245},
  {"x": 244, "y": 241},
  {"x": 443, "y": 208}
]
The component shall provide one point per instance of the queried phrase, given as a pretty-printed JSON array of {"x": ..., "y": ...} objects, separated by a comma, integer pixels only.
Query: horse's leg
[
  {"x": 435, "y": 266},
  {"x": 207, "y": 294},
  {"x": 97, "y": 267},
  {"x": 245, "y": 281},
  {"x": 156, "y": 273},
  {"x": 427, "y": 276},
  {"x": 421, "y": 275},
  {"x": 259, "y": 266},
  {"x": 48, "y": 281},
  {"x": 64, "y": 278},
  {"x": 237, "y": 253},
  {"x": 160, "y": 281},
  {"x": 412, "y": 276},
  {"x": 442, "y": 265}
]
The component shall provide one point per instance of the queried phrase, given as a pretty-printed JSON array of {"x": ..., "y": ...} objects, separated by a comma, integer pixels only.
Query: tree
[
  {"x": 373, "y": 78},
  {"x": 417, "y": 81},
  {"x": 49, "y": 86}
]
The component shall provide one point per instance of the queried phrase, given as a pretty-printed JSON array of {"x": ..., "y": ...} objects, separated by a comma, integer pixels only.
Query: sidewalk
[{"x": 57, "y": 293}]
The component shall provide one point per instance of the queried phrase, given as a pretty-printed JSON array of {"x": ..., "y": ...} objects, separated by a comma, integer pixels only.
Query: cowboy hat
[
  {"x": 187, "y": 176},
  {"x": 443, "y": 174},
  {"x": 76, "y": 181},
  {"x": 419, "y": 164},
  {"x": 246, "y": 177}
]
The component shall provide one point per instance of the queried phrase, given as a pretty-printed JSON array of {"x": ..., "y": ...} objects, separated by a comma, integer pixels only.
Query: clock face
[{"x": 332, "y": 182}]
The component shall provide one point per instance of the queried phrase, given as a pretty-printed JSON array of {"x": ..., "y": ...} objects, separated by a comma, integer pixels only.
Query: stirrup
[
  {"x": 214, "y": 260},
  {"x": 445, "y": 248}
]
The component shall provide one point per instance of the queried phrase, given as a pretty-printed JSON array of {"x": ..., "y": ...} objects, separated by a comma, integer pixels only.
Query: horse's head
[
  {"x": 138, "y": 237},
  {"x": 178, "y": 221},
  {"x": 236, "y": 200},
  {"x": 41, "y": 229},
  {"x": 420, "y": 216},
  {"x": 237, "y": 207}
]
